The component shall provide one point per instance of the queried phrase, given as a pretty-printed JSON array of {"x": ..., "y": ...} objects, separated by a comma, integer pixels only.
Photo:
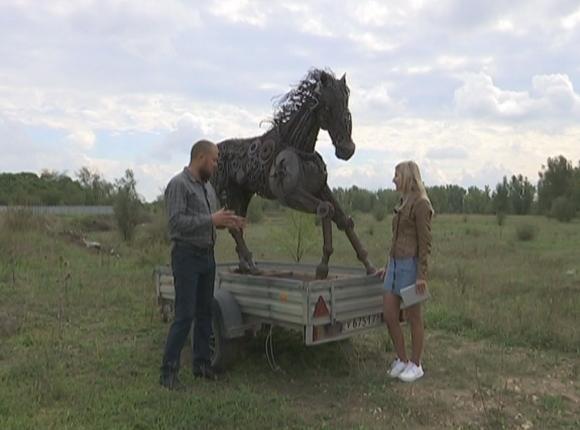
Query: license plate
[{"x": 362, "y": 322}]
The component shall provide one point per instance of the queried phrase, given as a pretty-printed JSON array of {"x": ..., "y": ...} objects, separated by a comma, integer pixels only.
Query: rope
[{"x": 269, "y": 347}]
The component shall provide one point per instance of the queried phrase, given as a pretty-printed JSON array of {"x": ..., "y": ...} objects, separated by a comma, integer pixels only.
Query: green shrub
[
  {"x": 500, "y": 217},
  {"x": 90, "y": 223},
  {"x": 298, "y": 236},
  {"x": 525, "y": 232},
  {"x": 156, "y": 230},
  {"x": 563, "y": 209},
  {"x": 379, "y": 213},
  {"x": 127, "y": 205},
  {"x": 472, "y": 231}
]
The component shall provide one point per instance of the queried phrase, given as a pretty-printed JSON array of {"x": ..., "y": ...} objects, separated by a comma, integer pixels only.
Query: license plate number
[{"x": 362, "y": 322}]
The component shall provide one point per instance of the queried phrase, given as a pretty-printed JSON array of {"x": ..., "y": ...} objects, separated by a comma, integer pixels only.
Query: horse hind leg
[
  {"x": 325, "y": 212},
  {"x": 346, "y": 224},
  {"x": 361, "y": 253}
]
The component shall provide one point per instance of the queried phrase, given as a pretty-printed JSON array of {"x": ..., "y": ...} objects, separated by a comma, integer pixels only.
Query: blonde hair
[{"x": 411, "y": 182}]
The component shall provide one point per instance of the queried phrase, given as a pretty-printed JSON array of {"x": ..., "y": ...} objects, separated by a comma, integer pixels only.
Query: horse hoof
[
  {"x": 322, "y": 272},
  {"x": 248, "y": 268},
  {"x": 243, "y": 267}
]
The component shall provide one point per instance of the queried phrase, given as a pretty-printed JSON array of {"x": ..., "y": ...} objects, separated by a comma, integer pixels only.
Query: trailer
[{"x": 349, "y": 302}]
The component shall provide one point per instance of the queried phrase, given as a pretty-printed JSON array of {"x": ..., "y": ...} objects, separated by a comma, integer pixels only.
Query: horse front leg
[
  {"x": 238, "y": 201},
  {"x": 246, "y": 259},
  {"x": 346, "y": 224}
]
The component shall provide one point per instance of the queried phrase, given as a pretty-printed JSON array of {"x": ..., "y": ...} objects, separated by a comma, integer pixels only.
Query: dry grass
[{"x": 82, "y": 340}]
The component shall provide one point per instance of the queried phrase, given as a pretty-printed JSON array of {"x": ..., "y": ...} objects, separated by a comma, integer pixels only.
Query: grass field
[{"x": 81, "y": 338}]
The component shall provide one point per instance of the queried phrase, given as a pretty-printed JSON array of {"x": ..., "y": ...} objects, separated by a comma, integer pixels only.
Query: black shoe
[
  {"x": 206, "y": 372},
  {"x": 171, "y": 382}
]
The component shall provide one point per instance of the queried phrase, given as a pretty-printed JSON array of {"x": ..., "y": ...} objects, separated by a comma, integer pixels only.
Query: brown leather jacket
[{"x": 412, "y": 233}]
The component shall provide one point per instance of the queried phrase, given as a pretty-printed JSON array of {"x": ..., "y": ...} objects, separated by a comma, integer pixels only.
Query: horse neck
[{"x": 301, "y": 130}]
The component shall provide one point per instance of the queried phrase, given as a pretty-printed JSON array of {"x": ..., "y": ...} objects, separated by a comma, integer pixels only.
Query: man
[{"x": 193, "y": 215}]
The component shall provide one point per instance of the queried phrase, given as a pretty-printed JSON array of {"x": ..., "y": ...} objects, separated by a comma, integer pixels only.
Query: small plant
[
  {"x": 379, "y": 213},
  {"x": 563, "y": 209},
  {"x": 525, "y": 232},
  {"x": 299, "y": 236},
  {"x": 156, "y": 231},
  {"x": 474, "y": 232},
  {"x": 127, "y": 205},
  {"x": 500, "y": 218}
]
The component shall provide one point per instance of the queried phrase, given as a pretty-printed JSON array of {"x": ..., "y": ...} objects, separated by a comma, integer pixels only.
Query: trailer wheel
[{"x": 224, "y": 351}]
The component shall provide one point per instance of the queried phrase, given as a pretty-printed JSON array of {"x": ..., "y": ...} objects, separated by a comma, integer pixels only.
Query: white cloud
[
  {"x": 451, "y": 62},
  {"x": 419, "y": 70},
  {"x": 241, "y": 11},
  {"x": 489, "y": 81},
  {"x": 372, "y": 13},
  {"x": 504, "y": 25},
  {"x": 553, "y": 96},
  {"x": 84, "y": 139},
  {"x": 187, "y": 130},
  {"x": 375, "y": 101},
  {"x": 571, "y": 21},
  {"x": 447, "y": 153},
  {"x": 557, "y": 92},
  {"x": 315, "y": 26},
  {"x": 373, "y": 43}
]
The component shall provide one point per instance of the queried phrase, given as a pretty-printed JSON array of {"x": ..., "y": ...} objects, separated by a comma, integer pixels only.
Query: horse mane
[{"x": 291, "y": 102}]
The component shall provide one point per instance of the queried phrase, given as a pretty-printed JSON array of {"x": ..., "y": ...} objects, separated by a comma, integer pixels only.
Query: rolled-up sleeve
[
  {"x": 423, "y": 215},
  {"x": 180, "y": 221}
]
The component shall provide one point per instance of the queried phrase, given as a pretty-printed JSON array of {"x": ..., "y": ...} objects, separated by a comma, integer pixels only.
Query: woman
[{"x": 410, "y": 249}]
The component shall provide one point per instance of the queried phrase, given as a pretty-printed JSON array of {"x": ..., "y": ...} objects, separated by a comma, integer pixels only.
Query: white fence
[{"x": 62, "y": 210}]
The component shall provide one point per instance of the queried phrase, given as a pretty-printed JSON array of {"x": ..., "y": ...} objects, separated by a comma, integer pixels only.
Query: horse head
[{"x": 333, "y": 113}]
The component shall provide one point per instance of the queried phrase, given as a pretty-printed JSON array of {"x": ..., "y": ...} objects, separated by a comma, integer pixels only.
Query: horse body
[{"x": 282, "y": 163}]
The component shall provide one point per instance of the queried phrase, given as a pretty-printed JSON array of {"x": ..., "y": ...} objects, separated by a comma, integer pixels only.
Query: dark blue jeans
[{"x": 193, "y": 279}]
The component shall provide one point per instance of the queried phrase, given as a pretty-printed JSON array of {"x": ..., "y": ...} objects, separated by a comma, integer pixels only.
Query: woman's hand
[
  {"x": 381, "y": 273},
  {"x": 421, "y": 286}
]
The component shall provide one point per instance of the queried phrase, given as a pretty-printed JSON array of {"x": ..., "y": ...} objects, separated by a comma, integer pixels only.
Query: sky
[{"x": 471, "y": 91}]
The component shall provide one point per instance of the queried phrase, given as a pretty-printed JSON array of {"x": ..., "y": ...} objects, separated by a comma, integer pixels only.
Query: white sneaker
[
  {"x": 397, "y": 367},
  {"x": 411, "y": 373}
]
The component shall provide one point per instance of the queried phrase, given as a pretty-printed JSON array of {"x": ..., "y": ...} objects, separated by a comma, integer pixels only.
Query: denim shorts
[{"x": 401, "y": 272}]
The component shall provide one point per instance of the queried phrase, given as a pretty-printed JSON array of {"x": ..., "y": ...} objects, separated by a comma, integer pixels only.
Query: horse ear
[
  {"x": 343, "y": 79},
  {"x": 324, "y": 78}
]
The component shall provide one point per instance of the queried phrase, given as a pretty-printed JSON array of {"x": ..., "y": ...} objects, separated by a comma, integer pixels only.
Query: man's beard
[{"x": 204, "y": 174}]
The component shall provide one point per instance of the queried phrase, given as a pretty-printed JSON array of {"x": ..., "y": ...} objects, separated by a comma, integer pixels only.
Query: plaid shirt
[{"x": 189, "y": 204}]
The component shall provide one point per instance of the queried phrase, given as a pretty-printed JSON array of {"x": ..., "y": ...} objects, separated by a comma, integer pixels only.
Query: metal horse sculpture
[{"x": 282, "y": 163}]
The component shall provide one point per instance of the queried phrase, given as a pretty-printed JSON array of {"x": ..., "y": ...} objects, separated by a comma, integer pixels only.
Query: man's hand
[
  {"x": 421, "y": 286},
  {"x": 228, "y": 219}
]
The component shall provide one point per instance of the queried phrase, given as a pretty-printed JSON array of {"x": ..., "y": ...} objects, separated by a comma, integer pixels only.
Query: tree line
[
  {"x": 52, "y": 188},
  {"x": 556, "y": 193},
  {"x": 88, "y": 189}
]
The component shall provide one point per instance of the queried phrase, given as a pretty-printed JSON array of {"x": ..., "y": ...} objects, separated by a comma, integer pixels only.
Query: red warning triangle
[{"x": 320, "y": 310}]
